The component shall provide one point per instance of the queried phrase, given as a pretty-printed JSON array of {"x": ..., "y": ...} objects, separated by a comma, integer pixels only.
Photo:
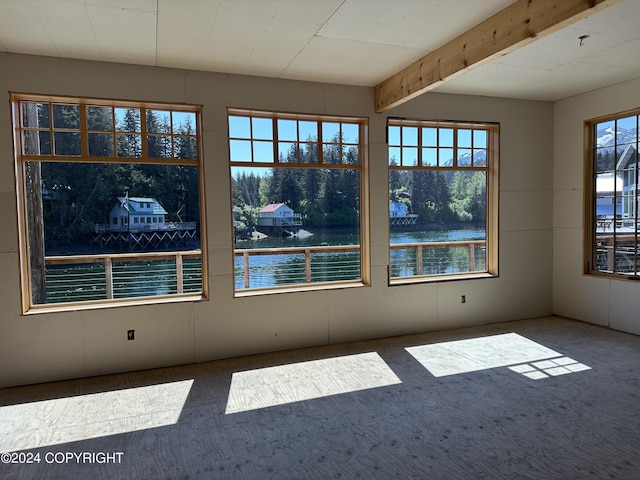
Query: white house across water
[{"x": 137, "y": 213}]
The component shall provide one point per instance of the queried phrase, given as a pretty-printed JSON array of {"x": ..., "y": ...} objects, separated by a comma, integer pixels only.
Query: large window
[
  {"x": 109, "y": 202},
  {"x": 443, "y": 209},
  {"x": 299, "y": 197},
  {"x": 612, "y": 226}
]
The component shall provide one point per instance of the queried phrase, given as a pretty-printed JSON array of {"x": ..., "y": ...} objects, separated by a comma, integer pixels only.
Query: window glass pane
[
  {"x": 479, "y": 158},
  {"x": 159, "y": 146},
  {"x": 605, "y": 160},
  {"x": 66, "y": 143},
  {"x": 445, "y": 137},
  {"x": 100, "y": 119},
  {"x": 351, "y": 155},
  {"x": 409, "y": 157},
  {"x": 263, "y": 152},
  {"x": 101, "y": 144},
  {"x": 184, "y": 123},
  {"x": 287, "y": 130},
  {"x": 288, "y": 152},
  {"x": 394, "y": 136},
  {"x": 480, "y": 138},
  {"x": 239, "y": 127},
  {"x": 309, "y": 153},
  {"x": 445, "y": 157},
  {"x": 350, "y": 133},
  {"x": 127, "y": 119},
  {"x": 36, "y": 142},
  {"x": 410, "y": 136},
  {"x": 394, "y": 156},
  {"x": 464, "y": 157},
  {"x": 430, "y": 137},
  {"x": 464, "y": 138},
  {"x": 240, "y": 151},
  {"x": 35, "y": 115},
  {"x": 626, "y": 131},
  {"x": 331, "y": 154},
  {"x": 605, "y": 133},
  {"x": 312, "y": 209},
  {"x": 158, "y": 121},
  {"x": 185, "y": 147},
  {"x": 262, "y": 128},
  {"x": 66, "y": 117},
  {"x": 429, "y": 157},
  {"x": 330, "y": 132},
  {"x": 129, "y": 145},
  {"x": 433, "y": 197},
  {"x": 308, "y": 130}
]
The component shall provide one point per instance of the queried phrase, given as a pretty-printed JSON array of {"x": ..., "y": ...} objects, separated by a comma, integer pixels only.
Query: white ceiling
[{"x": 353, "y": 42}]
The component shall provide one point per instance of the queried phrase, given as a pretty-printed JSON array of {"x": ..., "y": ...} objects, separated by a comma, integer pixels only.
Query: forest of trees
[
  {"x": 441, "y": 197},
  {"x": 77, "y": 195},
  {"x": 330, "y": 198},
  {"x": 325, "y": 197}
]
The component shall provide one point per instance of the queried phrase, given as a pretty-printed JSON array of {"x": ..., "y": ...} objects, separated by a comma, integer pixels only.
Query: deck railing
[
  {"x": 144, "y": 227},
  {"x": 107, "y": 276},
  {"x": 617, "y": 253},
  {"x": 296, "y": 264},
  {"x": 435, "y": 263},
  {"x": 324, "y": 263}
]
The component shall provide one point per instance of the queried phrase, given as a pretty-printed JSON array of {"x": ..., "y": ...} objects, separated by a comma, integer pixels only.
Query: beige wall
[
  {"x": 598, "y": 300},
  {"x": 37, "y": 348}
]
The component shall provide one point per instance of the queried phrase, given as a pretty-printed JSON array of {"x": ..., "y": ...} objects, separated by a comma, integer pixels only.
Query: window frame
[
  {"x": 21, "y": 159},
  {"x": 362, "y": 167},
  {"x": 492, "y": 199},
  {"x": 591, "y": 223}
]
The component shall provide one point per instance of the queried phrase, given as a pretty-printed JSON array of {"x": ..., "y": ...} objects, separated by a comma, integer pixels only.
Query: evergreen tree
[
  {"x": 129, "y": 144},
  {"x": 100, "y": 119}
]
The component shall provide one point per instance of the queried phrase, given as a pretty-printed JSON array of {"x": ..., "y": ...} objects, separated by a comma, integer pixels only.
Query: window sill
[
  {"x": 125, "y": 302},
  {"x": 613, "y": 276},
  {"x": 298, "y": 289},
  {"x": 439, "y": 278}
]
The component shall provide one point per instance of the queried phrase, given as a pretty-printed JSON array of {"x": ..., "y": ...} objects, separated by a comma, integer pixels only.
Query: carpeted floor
[{"x": 545, "y": 399}]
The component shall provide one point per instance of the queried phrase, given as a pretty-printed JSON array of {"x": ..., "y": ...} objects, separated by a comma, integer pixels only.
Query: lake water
[{"x": 276, "y": 270}]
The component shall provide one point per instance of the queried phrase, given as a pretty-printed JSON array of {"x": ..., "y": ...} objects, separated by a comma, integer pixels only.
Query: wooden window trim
[
  {"x": 362, "y": 166},
  {"x": 590, "y": 195},
  {"x": 21, "y": 159},
  {"x": 493, "y": 176}
]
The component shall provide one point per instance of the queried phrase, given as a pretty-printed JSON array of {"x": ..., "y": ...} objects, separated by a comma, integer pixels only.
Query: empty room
[{"x": 310, "y": 239}]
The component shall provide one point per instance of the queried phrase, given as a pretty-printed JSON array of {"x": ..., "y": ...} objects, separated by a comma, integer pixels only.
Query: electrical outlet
[
  {"x": 463, "y": 299},
  {"x": 131, "y": 334}
]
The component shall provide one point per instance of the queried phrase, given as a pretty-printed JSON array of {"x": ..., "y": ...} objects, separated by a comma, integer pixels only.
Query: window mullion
[
  {"x": 320, "y": 144},
  {"x": 84, "y": 132},
  {"x": 143, "y": 133},
  {"x": 275, "y": 140},
  {"x": 455, "y": 148},
  {"x": 635, "y": 206},
  {"x": 419, "y": 155}
]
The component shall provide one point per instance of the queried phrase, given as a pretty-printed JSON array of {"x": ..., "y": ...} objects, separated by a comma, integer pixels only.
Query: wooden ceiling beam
[{"x": 515, "y": 26}]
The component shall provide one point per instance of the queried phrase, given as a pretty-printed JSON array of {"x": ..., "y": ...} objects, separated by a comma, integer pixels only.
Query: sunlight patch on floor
[
  {"x": 267, "y": 387},
  {"x": 474, "y": 354},
  {"x": 69, "y": 419},
  {"x": 550, "y": 368}
]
